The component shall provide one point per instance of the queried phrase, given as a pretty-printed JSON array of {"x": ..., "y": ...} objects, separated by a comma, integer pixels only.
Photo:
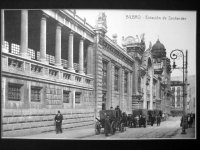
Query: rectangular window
[
  {"x": 14, "y": 92},
  {"x": 35, "y": 94},
  {"x": 125, "y": 82},
  {"x": 77, "y": 97},
  {"x": 66, "y": 96},
  {"x": 104, "y": 78},
  {"x": 116, "y": 79}
]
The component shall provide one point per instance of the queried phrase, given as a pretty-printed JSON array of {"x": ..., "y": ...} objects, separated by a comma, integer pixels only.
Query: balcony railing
[
  {"x": 15, "y": 49},
  {"x": 27, "y": 68}
]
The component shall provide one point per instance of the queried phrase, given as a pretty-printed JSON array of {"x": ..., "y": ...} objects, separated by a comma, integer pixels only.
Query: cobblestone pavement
[{"x": 167, "y": 129}]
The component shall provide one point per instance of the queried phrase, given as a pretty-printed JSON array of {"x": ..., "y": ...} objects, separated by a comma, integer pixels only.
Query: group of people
[
  {"x": 190, "y": 120},
  {"x": 156, "y": 118}
]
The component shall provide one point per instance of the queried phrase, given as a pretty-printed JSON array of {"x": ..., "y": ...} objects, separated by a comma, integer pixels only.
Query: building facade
[
  {"x": 46, "y": 66},
  {"x": 177, "y": 96},
  {"x": 54, "y": 60}
]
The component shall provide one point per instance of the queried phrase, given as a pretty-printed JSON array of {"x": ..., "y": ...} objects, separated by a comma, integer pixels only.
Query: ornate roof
[
  {"x": 158, "y": 46},
  {"x": 158, "y": 50}
]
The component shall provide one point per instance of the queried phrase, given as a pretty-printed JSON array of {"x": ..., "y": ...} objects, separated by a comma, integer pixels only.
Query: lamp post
[{"x": 174, "y": 56}]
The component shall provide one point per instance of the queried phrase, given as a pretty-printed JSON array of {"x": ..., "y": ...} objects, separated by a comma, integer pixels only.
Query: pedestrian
[
  {"x": 118, "y": 112},
  {"x": 107, "y": 125},
  {"x": 136, "y": 121},
  {"x": 163, "y": 117},
  {"x": 181, "y": 121},
  {"x": 191, "y": 119},
  {"x": 58, "y": 119},
  {"x": 158, "y": 120},
  {"x": 111, "y": 108},
  {"x": 152, "y": 119},
  {"x": 188, "y": 121}
]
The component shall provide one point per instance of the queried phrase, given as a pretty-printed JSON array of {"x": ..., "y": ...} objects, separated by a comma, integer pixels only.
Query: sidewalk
[
  {"x": 67, "y": 134},
  {"x": 190, "y": 133}
]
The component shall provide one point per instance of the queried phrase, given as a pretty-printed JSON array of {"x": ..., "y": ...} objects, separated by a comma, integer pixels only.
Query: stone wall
[{"x": 35, "y": 121}]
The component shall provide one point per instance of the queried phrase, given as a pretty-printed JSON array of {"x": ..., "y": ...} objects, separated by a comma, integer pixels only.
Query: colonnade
[{"x": 43, "y": 27}]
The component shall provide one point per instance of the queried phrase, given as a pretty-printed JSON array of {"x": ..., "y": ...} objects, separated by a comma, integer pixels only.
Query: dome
[
  {"x": 114, "y": 35},
  {"x": 158, "y": 46},
  {"x": 158, "y": 50}
]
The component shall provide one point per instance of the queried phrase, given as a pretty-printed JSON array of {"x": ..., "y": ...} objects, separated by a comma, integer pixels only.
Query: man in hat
[
  {"x": 58, "y": 119},
  {"x": 107, "y": 125},
  {"x": 118, "y": 112}
]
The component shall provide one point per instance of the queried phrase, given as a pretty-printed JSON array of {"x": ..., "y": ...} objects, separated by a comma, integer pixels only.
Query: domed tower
[
  {"x": 158, "y": 53},
  {"x": 162, "y": 70}
]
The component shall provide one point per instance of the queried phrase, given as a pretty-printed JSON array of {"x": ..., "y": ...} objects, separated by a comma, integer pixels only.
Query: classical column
[
  {"x": 58, "y": 46},
  {"x": 81, "y": 56},
  {"x": 43, "y": 39},
  {"x": 90, "y": 60},
  {"x": 70, "y": 52},
  {"x": 24, "y": 34}
]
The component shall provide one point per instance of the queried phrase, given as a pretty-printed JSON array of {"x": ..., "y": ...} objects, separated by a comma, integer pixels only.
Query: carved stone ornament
[{"x": 102, "y": 19}]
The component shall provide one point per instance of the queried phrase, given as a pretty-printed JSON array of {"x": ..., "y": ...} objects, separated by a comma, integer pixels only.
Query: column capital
[
  {"x": 124, "y": 68},
  {"x": 72, "y": 32},
  {"x": 82, "y": 38},
  {"x": 59, "y": 25},
  {"x": 113, "y": 61},
  {"x": 44, "y": 16}
]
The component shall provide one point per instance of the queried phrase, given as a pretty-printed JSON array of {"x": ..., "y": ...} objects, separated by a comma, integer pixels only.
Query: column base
[
  {"x": 59, "y": 66},
  {"x": 81, "y": 72},
  {"x": 71, "y": 69},
  {"x": 25, "y": 55},
  {"x": 44, "y": 61},
  {"x": 3, "y": 49}
]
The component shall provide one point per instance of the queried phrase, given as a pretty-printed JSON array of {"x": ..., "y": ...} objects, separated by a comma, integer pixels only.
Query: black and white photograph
[{"x": 98, "y": 74}]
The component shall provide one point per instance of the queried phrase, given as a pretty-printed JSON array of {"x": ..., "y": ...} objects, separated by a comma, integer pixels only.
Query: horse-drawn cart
[{"x": 114, "y": 122}]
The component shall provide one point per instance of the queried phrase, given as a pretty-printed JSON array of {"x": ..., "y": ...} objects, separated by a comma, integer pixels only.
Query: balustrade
[{"x": 32, "y": 67}]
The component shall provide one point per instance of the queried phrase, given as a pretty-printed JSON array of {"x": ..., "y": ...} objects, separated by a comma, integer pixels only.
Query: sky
[{"x": 172, "y": 33}]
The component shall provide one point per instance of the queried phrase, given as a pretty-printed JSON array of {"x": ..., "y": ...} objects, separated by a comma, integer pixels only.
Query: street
[{"x": 167, "y": 129}]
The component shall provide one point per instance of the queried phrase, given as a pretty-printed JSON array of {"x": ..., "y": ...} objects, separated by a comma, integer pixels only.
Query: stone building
[
  {"x": 162, "y": 73},
  {"x": 112, "y": 72},
  {"x": 46, "y": 66},
  {"x": 54, "y": 60},
  {"x": 177, "y": 95}
]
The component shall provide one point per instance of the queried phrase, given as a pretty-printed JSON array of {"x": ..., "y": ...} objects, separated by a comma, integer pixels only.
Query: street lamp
[{"x": 174, "y": 56}]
